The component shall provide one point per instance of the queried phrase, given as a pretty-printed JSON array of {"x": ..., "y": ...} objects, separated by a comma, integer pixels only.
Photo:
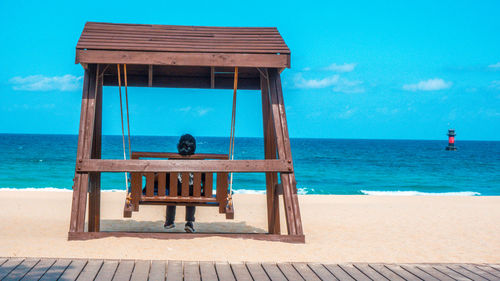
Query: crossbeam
[{"x": 193, "y": 166}]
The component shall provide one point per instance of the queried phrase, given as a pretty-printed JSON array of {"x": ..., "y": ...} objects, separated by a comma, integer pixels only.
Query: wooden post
[
  {"x": 85, "y": 136},
  {"x": 273, "y": 216},
  {"x": 290, "y": 198},
  {"x": 95, "y": 178}
]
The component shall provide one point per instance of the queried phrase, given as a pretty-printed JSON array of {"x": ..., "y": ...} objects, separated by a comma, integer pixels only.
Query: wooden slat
[
  {"x": 197, "y": 184},
  {"x": 306, "y": 272},
  {"x": 224, "y": 271},
  {"x": 107, "y": 271},
  {"x": 257, "y": 271},
  {"x": 73, "y": 270},
  {"x": 242, "y": 166},
  {"x": 436, "y": 274},
  {"x": 150, "y": 183},
  {"x": 208, "y": 187},
  {"x": 222, "y": 59},
  {"x": 207, "y": 271},
  {"x": 21, "y": 270},
  {"x": 56, "y": 270},
  {"x": 403, "y": 273},
  {"x": 90, "y": 271},
  {"x": 185, "y": 184},
  {"x": 387, "y": 273},
  {"x": 490, "y": 270},
  {"x": 466, "y": 273},
  {"x": 173, "y": 185},
  {"x": 173, "y": 155},
  {"x": 174, "y": 271},
  {"x": 241, "y": 272},
  {"x": 273, "y": 272},
  {"x": 455, "y": 275},
  {"x": 150, "y": 75},
  {"x": 39, "y": 270},
  {"x": 191, "y": 271},
  {"x": 141, "y": 271},
  {"x": 338, "y": 272},
  {"x": 124, "y": 270},
  {"x": 370, "y": 272},
  {"x": 322, "y": 272},
  {"x": 221, "y": 194},
  {"x": 162, "y": 184},
  {"x": 419, "y": 273},
  {"x": 479, "y": 272},
  {"x": 354, "y": 272},
  {"x": 135, "y": 189},
  {"x": 289, "y": 271},
  {"x": 158, "y": 271}
]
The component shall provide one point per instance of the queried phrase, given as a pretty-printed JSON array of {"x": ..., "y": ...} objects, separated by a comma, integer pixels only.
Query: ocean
[{"x": 322, "y": 166}]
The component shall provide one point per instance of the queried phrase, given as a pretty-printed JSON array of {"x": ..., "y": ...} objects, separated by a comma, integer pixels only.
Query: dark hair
[{"x": 186, "y": 145}]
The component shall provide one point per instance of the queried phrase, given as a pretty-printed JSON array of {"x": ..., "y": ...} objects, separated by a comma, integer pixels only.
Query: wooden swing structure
[{"x": 183, "y": 57}]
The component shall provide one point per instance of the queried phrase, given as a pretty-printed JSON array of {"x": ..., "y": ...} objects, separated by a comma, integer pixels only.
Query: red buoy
[{"x": 451, "y": 140}]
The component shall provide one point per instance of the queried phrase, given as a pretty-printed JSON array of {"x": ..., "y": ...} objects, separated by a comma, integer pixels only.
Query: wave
[
  {"x": 59, "y": 189},
  {"x": 418, "y": 193},
  {"x": 300, "y": 190}
]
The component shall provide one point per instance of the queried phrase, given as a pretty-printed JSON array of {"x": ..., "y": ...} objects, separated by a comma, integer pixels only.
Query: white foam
[
  {"x": 248, "y": 191},
  {"x": 418, "y": 193},
  {"x": 58, "y": 189}
]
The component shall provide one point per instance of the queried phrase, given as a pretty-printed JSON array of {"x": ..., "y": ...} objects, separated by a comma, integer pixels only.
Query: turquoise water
[{"x": 322, "y": 166}]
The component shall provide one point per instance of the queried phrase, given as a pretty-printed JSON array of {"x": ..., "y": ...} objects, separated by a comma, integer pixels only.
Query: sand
[{"x": 337, "y": 228}]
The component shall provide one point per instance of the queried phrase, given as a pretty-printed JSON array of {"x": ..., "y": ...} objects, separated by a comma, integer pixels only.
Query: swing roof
[{"x": 174, "y": 45}]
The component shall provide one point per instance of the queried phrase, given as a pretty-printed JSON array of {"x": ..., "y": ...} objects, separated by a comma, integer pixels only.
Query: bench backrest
[{"x": 201, "y": 190}]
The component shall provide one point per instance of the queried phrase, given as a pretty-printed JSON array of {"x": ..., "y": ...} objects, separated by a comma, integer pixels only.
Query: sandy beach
[{"x": 400, "y": 229}]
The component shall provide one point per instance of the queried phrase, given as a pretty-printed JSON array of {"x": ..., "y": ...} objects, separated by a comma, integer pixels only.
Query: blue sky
[{"x": 360, "y": 69}]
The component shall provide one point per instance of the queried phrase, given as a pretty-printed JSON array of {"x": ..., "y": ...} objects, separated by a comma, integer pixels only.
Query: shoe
[
  {"x": 189, "y": 228},
  {"x": 169, "y": 226}
]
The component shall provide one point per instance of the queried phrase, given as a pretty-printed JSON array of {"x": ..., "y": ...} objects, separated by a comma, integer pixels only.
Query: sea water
[{"x": 322, "y": 166}]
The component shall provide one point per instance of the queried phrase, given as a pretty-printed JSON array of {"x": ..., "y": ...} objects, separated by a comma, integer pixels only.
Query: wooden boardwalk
[{"x": 83, "y": 269}]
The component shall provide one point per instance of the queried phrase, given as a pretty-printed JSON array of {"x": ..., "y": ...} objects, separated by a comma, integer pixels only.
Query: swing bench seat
[{"x": 164, "y": 188}]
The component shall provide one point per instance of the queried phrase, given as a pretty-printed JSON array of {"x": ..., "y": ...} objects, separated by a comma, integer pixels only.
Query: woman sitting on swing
[{"x": 186, "y": 146}]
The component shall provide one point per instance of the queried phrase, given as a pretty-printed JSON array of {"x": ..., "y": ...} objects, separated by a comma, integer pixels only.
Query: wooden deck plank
[
  {"x": 387, "y": 273},
  {"x": 9, "y": 266},
  {"x": 257, "y": 271},
  {"x": 107, "y": 271},
  {"x": 158, "y": 271},
  {"x": 224, "y": 271},
  {"x": 489, "y": 269},
  {"x": 419, "y": 273},
  {"x": 479, "y": 272},
  {"x": 338, "y": 272},
  {"x": 174, "y": 271},
  {"x": 432, "y": 271},
  {"x": 21, "y": 270},
  {"x": 289, "y": 271},
  {"x": 73, "y": 270},
  {"x": 141, "y": 271},
  {"x": 445, "y": 270},
  {"x": 305, "y": 271},
  {"x": 56, "y": 270},
  {"x": 273, "y": 272},
  {"x": 207, "y": 271},
  {"x": 192, "y": 271},
  {"x": 124, "y": 270},
  {"x": 466, "y": 273},
  {"x": 241, "y": 272},
  {"x": 354, "y": 272},
  {"x": 370, "y": 272},
  {"x": 39, "y": 270},
  {"x": 2, "y": 261},
  {"x": 90, "y": 271},
  {"x": 403, "y": 273},
  {"x": 321, "y": 271}
]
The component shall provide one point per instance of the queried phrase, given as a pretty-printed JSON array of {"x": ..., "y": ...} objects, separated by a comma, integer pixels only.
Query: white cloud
[
  {"x": 349, "y": 86},
  {"x": 496, "y": 65},
  {"x": 302, "y": 83},
  {"x": 428, "y": 85},
  {"x": 495, "y": 84},
  {"x": 346, "y": 67},
  {"x": 199, "y": 111},
  {"x": 347, "y": 113},
  {"x": 66, "y": 82}
]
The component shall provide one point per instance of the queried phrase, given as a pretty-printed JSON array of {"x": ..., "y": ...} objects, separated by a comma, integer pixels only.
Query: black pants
[{"x": 171, "y": 214}]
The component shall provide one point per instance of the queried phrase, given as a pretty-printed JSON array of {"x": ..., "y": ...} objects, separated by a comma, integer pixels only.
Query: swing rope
[
  {"x": 128, "y": 124},
  {"x": 231, "y": 138}
]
